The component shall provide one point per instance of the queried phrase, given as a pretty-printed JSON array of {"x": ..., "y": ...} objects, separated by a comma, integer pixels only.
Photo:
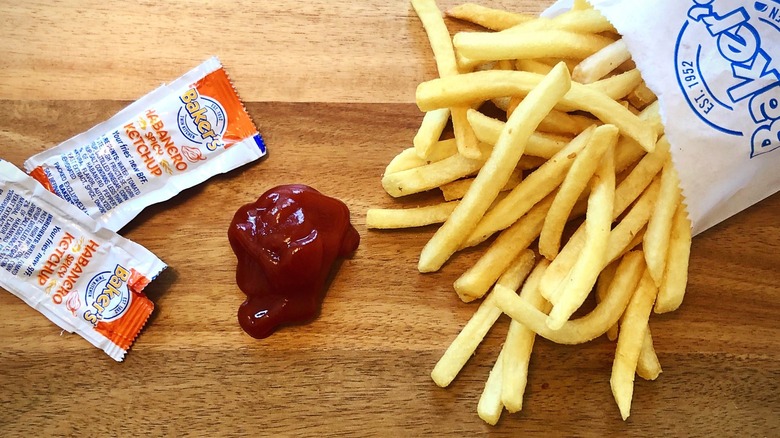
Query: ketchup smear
[{"x": 286, "y": 243}]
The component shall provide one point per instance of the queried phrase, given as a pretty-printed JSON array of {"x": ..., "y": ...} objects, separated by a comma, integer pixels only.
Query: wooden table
[{"x": 331, "y": 85}]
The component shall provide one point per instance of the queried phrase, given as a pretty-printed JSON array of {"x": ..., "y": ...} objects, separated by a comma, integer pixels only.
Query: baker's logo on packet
[
  {"x": 107, "y": 296},
  {"x": 742, "y": 80},
  {"x": 201, "y": 119}
]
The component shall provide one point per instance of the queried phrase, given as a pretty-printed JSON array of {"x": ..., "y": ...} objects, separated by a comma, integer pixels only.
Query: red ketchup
[{"x": 286, "y": 243}]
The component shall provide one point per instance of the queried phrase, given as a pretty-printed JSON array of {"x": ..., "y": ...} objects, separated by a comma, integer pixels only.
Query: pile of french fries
[{"x": 582, "y": 136}]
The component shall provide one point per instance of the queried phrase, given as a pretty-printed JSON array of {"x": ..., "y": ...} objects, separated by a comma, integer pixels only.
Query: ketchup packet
[
  {"x": 84, "y": 277},
  {"x": 715, "y": 67},
  {"x": 173, "y": 138}
]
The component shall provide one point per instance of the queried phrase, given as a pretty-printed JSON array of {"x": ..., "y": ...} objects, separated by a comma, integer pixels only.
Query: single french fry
[
  {"x": 627, "y": 153},
  {"x": 461, "y": 349},
  {"x": 588, "y": 327},
  {"x": 430, "y": 130},
  {"x": 581, "y": 171},
  {"x": 672, "y": 289},
  {"x": 652, "y": 115},
  {"x": 648, "y": 366},
  {"x": 431, "y": 176},
  {"x": 539, "y": 144},
  {"x": 465, "y": 139},
  {"x": 485, "y": 85},
  {"x": 409, "y": 159},
  {"x": 641, "y": 96},
  {"x": 659, "y": 226},
  {"x": 602, "y": 287},
  {"x": 438, "y": 36},
  {"x": 389, "y": 218},
  {"x": 489, "y": 407},
  {"x": 519, "y": 344},
  {"x": 534, "y": 187},
  {"x": 583, "y": 21},
  {"x": 629, "y": 344},
  {"x": 495, "y": 173},
  {"x": 517, "y": 271},
  {"x": 580, "y": 5},
  {"x": 456, "y": 189},
  {"x": 489, "y": 46},
  {"x": 582, "y": 277},
  {"x": 619, "y": 86},
  {"x": 476, "y": 281},
  {"x": 532, "y": 66},
  {"x": 559, "y": 122},
  {"x": 621, "y": 237},
  {"x": 494, "y": 19},
  {"x": 601, "y": 63}
]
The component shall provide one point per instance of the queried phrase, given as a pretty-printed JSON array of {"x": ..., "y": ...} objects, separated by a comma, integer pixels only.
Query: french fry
[
  {"x": 641, "y": 96},
  {"x": 494, "y": 19},
  {"x": 465, "y": 139},
  {"x": 409, "y": 159},
  {"x": 476, "y": 281},
  {"x": 533, "y": 188},
  {"x": 382, "y": 218},
  {"x": 581, "y": 171},
  {"x": 651, "y": 114},
  {"x": 456, "y": 189},
  {"x": 582, "y": 21},
  {"x": 539, "y": 144},
  {"x": 659, "y": 226},
  {"x": 484, "y": 85},
  {"x": 461, "y": 349},
  {"x": 623, "y": 234},
  {"x": 648, "y": 366},
  {"x": 495, "y": 173},
  {"x": 602, "y": 287},
  {"x": 559, "y": 122},
  {"x": 489, "y": 46},
  {"x": 619, "y": 86},
  {"x": 588, "y": 327},
  {"x": 582, "y": 277},
  {"x": 532, "y": 66},
  {"x": 519, "y": 344},
  {"x": 672, "y": 289},
  {"x": 601, "y": 63},
  {"x": 489, "y": 407},
  {"x": 431, "y": 176},
  {"x": 432, "y": 125},
  {"x": 629, "y": 344}
]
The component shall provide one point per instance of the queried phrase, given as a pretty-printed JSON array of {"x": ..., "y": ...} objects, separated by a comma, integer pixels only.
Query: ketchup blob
[{"x": 286, "y": 243}]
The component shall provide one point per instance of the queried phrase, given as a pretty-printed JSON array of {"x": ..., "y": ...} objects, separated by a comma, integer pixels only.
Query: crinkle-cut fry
[
  {"x": 476, "y": 281},
  {"x": 534, "y": 187},
  {"x": 491, "y": 46},
  {"x": 659, "y": 226},
  {"x": 464, "y": 345},
  {"x": 390, "y": 218},
  {"x": 431, "y": 176},
  {"x": 588, "y": 327},
  {"x": 601, "y": 63},
  {"x": 598, "y": 223},
  {"x": 485, "y": 85},
  {"x": 494, "y": 19},
  {"x": 539, "y": 144},
  {"x": 519, "y": 344},
  {"x": 490, "y": 407},
  {"x": 626, "y": 193},
  {"x": 408, "y": 158},
  {"x": 672, "y": 289},
  {"x": 575, "y": 181},
  {"x": 496, "y": 170},
  {"x": 456, "y": 189},
  {"x": 430, "y": 130},
  {"x": 602, "y": 287},
  {"x": 641, "y": 96},
  {"x": 586, "y": 21},
  {"x": 648, "y": 366},
  {"x": 632, "y": 223},
  {"x": 620, "y": 85},
  {"x": 533, "y": 66},
  {"x": 629, "y": 344}
]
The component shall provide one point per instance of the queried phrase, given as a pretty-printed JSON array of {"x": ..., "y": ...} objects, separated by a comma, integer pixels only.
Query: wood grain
[{"x": 362, "y": 368}]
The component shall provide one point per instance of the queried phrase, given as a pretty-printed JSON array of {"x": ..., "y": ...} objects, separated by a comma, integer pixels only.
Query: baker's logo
[
  {"x": 202, "y": 119},
  {"x": 107, "y": 296},
  {"x": 740, "y": 85}
]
